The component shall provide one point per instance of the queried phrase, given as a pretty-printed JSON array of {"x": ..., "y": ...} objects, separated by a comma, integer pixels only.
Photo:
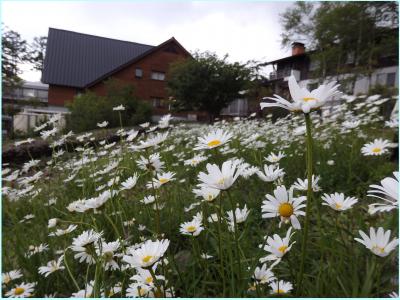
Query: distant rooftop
[{"x": 76, "y": 59}]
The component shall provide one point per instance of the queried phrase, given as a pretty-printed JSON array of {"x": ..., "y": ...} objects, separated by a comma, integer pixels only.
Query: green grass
[{"x": 335, "y": 265}]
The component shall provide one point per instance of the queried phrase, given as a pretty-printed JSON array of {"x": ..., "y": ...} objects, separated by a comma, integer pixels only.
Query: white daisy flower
[
  {"x": 283, "y": 205},
  {"x": 377, "y": 147},
  {"x": 143, "y": 276},
  {"x": 153, "y": 163},
  {"x": 195, "y": 160},
  {"x": 52, "y": 266},
  {"x": 351, "y": 124},
  {"x": 130, "y": 182},
  {"x": 52, "y": 223},
  {"x": 240, "y": 214},
  {"x": 213, "y": 139},
  {"x": 144, "y": 125},
  {"x": 60, "y": 232},
  {"x": 102, "y": 124},
  {"x": 263, "y": 275},
  {"x": 139, "y": 290},
  {"x": 207, "y": 193},
  {"x": 82, "y": 245},
  {"x": 378, "y": 241},
  {"x": 302, "y": 185},
  {"x": 148, "y": 199},
  {"x": 274, "y": 158},
  {"x": 277, "y": 246},
  {"x": 23, "y": 290},
  {"x": 85, "y": 293},
  {"x": 119, "y": 108},
  {"x": 271, "y": 173},
  {"x": 337, "y": 201},
  {"x": 164, "y": 121},
  {"x": 160, "y": 180},
  {"x": 10, "y": 276},
  {"x": 205, "y": 256},
  {"x": 192, "y": 228},
  {"x": 151, "y": 141},
  {"x": 147, "y": 254},
  {"x": 303, "y": 100},
  {"x": 389, "y": 188},
  {"x": 107, "y": 251},
  {"x": 221, "y": 179},
  {"x": 280, "y": 287}
]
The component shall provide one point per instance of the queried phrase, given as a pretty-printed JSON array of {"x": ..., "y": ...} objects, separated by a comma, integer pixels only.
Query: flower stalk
[{"x": 309, "y": 202}]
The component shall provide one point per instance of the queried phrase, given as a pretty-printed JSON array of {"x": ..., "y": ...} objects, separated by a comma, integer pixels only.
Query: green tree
[
  {"x": 88, "y": 109},
  {"x": 14, "y": 53},
  {"x": 349, "y": 37},
  {"x": 207, "y": 83},
  {"x": 37, "y": 51}
]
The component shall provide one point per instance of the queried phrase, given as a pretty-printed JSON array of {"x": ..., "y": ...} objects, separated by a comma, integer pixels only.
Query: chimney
[{"x": 298, "y": 48}]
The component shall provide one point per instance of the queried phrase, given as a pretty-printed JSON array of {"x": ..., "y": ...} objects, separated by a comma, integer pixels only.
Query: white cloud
[{"x": 244, "y": 30}]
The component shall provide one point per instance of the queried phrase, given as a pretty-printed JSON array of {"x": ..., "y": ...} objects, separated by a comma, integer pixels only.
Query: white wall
[{"x": 362, "y": 85}]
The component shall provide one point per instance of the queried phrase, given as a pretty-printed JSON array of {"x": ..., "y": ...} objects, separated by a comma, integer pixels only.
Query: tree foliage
[
  {"x": 88, "y": 109},
  {"x": 37, "y": 51},
  {"x": 207, "y": 83},
  {"x": 346, "y": 35},
  {"x": 14, "y": 53}
]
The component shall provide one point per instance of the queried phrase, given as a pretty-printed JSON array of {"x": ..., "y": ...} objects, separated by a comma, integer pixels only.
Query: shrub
[{"x": 88, "y": 109}]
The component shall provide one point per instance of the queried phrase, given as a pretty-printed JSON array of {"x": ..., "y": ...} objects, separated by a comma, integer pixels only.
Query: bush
[{"x": 89, "y": 109}]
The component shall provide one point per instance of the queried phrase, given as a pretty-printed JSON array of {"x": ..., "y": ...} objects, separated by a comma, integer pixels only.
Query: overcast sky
[{"x": 245, "y": 30}]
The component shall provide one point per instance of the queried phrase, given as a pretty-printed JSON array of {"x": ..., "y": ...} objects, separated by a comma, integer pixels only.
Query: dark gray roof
[{"x": 76, "y": 59}]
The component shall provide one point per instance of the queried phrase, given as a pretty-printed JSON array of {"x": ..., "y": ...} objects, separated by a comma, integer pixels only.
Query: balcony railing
[
  {"x": 279, "y": 74},
  {"x": 25, "y": 94}
]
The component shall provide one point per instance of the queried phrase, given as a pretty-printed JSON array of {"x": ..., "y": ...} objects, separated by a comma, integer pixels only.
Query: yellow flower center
[
  {"x": 282, "y": 249},
  {"x": 285, "y": 210},
  {"x": 377, "y": 150},
  {"x": 376, "y": 248},
  {"x": 279, "y": 291},
  {"x": 163, "y": 180},
  {"x": 214, "y": 143},
  {"x": 7, "y": 279},
  {"x": 147, "y": 258},
  {"x": 19, "y": 291},
  {"x": 149, "y": 279},
  {"x": 221, "y": 181},
  {"x": 191, "y": 228},
  {"x": 338, "y": 206},
  {"x": 306, "y": 99}
]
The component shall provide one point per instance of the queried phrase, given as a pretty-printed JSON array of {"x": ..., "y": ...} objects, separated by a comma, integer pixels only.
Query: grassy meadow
[{"x": 129, "y": 219}]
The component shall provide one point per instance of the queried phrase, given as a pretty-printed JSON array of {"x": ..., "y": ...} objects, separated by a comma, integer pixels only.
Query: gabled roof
[{"x": 78, "y": 60}]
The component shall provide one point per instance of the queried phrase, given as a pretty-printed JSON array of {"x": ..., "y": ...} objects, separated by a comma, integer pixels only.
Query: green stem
[
  {"x": 235, "y": 228},
  {"x": 155, "y": 280},
  {"x": 96, "y": 288},
  {"x": 70, "y": 273},
  {"x": 219, "y": 213},
  {"x": 309, "y": 203}
]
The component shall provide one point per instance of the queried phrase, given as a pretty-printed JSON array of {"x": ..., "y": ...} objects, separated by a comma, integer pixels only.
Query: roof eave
[{"x": 136, "y": 59}]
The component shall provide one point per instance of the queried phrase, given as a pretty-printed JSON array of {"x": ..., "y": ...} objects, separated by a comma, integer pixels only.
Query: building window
[
  {"x": 157, "y": 75},
  {"x": 42, "y": 94},
  {"x": 391, "y": 79},
  {"x": 381, "y": 79},
  {"x": 29, "y": 93},
  {"x": 238, "y": 107},
  {"x": 159, "y": 102},
  {"x": 139, "y": 73}
]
